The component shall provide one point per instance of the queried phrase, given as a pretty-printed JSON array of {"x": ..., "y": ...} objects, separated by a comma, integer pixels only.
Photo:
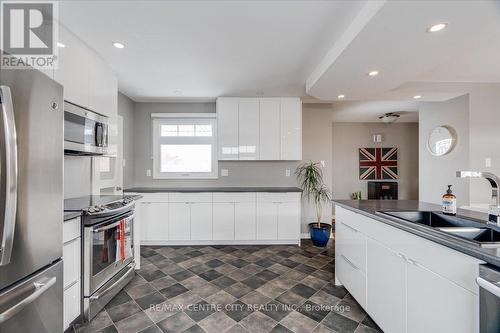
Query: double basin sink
[{"x": 471, "y": 231}]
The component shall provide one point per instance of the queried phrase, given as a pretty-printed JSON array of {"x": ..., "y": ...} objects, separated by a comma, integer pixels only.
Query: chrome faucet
[{"x": 494, "y": 210}]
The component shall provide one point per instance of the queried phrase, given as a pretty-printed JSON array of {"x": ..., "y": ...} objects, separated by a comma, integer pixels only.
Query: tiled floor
[{"x": 233, "y": 289}]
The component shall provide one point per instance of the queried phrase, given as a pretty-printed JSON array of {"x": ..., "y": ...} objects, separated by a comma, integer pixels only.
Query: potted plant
[{"x": 310, "y": 178}]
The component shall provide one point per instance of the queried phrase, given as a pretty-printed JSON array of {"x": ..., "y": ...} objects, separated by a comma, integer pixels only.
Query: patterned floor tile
[{"x": 279, "y": 288}]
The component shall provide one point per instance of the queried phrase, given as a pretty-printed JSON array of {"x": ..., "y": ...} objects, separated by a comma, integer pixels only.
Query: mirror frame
[{"x": 454, "y": 140}]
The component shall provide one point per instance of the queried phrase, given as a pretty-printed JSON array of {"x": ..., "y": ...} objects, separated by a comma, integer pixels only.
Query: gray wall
[
  {"x": 77, "y": 176},
  {"x": 484, "y": 133},
  {"x": 437, "y": 172},
  {"x": 126, "y": 110},
  {"x": 349, "y": 137}
]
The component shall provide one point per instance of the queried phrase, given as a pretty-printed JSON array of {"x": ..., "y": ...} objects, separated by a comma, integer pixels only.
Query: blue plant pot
[{"x": 320, "y": 234}]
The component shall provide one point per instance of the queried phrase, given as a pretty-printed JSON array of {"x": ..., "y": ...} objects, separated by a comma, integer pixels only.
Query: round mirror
[{"x": 442, "y": 140}]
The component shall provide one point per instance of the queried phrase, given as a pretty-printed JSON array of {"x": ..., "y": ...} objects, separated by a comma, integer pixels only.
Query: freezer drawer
[{"x": 35, "y": 305}]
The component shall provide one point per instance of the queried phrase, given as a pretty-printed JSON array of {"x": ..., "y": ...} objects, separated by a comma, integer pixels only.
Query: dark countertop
[
  {"x": 211, "y": 189},
  {"x": 370, "y": 207},
  {"x": 71, "y": 215}
]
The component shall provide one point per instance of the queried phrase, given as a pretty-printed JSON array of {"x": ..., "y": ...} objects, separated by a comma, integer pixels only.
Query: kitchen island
[{"x": 408, "y": 277}]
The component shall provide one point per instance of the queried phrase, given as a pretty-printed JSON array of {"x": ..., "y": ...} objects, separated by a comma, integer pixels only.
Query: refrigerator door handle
[
  {"x": 8, "y": 178},
  {"x": 40, "y": 288}
]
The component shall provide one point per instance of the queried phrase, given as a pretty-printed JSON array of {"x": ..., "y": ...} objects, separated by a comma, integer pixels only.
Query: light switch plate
[
  {"x": 224, "y": 172},
  {"x": 287, "y": 172},
  {"x": 487, "y": 162},
  {"x": 323, "y": 164},
  {"x": 148, "y": 173}
]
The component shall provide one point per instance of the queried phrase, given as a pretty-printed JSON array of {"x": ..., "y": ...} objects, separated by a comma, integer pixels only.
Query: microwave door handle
[
  {"x": 98, "y": 134},
  {"x": 8, "y": 179}
]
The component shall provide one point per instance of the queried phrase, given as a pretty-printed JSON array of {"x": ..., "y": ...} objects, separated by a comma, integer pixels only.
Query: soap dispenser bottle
[{"x": 449, "y": 202}]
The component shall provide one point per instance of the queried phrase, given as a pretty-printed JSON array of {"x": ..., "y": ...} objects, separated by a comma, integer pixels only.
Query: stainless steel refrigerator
[{"x": 31, "y": 202}]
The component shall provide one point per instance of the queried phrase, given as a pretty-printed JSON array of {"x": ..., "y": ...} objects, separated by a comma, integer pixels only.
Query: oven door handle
[
  {"x": 117, "y": 282},
  {"x": 492, "y": 288},
  {"x": 111, "y": 226}
]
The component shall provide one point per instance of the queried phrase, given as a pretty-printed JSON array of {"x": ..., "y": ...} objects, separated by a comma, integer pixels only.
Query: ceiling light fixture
[
  {"x": 340, "y": 96},
  {"x": 417, "y": 96},
  {"x": 373, "y": 73},
  {"x": 119, "y": 45},
  {"x": 61, "y": 45},
  {"x": 389, "y": 117},
  {"x": 437, "y": 27}
]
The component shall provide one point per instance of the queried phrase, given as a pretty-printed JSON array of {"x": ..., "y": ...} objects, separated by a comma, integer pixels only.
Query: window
[{"x": 184, "y": 145}]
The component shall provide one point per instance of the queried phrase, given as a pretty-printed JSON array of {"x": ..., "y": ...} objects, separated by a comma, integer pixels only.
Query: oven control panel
[{"x": 110, "y": 207}]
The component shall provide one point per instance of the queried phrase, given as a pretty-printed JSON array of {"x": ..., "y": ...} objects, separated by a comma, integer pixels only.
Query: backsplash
[{"x": 77, "y": 176}]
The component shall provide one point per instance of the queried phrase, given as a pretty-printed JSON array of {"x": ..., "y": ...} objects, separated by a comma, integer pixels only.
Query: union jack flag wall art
[{"x": 378, "y": 163}]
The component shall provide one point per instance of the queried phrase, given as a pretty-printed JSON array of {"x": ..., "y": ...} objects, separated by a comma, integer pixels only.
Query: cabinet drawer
[
  {"x": 154, "y": 197},
  {"x": 71, "y": 229},
  {"x": 71, "y": 304},
  {"x": 190, "y": 197},
  {"x": 234, "y": 197},
  {"x": 353, "y": 278},
  {"x": 352, "y": 219},
  {"x": 71, "y": 257},
  {"x": 278, "y": 197},
  {"x": 351, "y": 243}
]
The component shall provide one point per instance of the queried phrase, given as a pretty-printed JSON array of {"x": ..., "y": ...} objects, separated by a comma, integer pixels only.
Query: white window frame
[{"x": 158, "y": 119}]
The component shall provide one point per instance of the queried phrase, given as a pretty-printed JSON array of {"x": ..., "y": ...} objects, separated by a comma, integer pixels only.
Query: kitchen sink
[{"x": 472, "y": 231}]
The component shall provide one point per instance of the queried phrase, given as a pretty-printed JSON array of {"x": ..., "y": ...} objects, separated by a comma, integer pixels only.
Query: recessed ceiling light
[
  {"x": 437, "y": 27},
  {"x": 417, "y": 96},
  {"x": 61, "y": 45},
  {"x": 119, "y": 45},
  {"x": 373, "y": 73},
  {"x": 340, "y": 96}
]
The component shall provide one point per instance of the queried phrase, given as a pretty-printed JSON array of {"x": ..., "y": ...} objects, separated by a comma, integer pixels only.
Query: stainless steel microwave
[{"x": 85, "y": 132}]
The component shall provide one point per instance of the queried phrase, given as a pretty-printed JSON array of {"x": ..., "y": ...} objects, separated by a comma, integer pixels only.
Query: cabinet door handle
[
  {"x": 349, "y": 227},
  {"x": 349, "y": 262},
  {"x": 411, "y": 261}
]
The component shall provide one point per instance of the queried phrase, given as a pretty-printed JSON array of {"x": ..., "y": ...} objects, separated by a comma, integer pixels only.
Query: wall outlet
[
  {"x": 287, "y": 172},
  {"x": 323, "y": 164},
  {"x": 148, "y": 173},
  {"x": 487, "y": 162},
  {"x": 224, "y": 172}
]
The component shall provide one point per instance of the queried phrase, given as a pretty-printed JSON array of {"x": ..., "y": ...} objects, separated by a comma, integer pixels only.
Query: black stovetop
[{"x": 82, "y": 203}]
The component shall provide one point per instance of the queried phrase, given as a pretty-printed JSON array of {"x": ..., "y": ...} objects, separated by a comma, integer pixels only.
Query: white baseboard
[{"x": 222, "y": 242}]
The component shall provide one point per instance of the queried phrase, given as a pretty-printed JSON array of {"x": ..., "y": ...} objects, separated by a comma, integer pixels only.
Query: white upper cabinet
[
  {"x": 73, "y": 71},
  {"x": 227, "y": 128},
  {"x": 103, "y": 87},
  {"x": 269, "y": 118},
  {"x": 248, "y": 129},
  {"x": 88, "y": 81},
  {"x": 259, "y": 128},
  {"x": 291, "y": 129}
]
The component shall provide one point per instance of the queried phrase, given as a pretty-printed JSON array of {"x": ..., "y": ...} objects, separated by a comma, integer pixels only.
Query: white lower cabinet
[
  {"x": 201, "y": 221},
  {"x": 267, "y": 220},
  {"x": 245, "y": 221},
  {"x": 211, "y": 218},
  {"x": 402, "y": 289},
  {"x": 435, "y": 304},
  {"x": 179, "y": 226},
  {"x": 385, "y": 291},
  {"x": 223, "y": 220},
  {"x": 154, "y": 220},
  {"x": 71, "y": 270}
]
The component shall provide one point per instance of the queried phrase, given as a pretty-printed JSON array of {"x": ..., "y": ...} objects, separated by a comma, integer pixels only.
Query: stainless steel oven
[
  {"x": 108, "y": 258},
  {"x": 85, "y": 132}
]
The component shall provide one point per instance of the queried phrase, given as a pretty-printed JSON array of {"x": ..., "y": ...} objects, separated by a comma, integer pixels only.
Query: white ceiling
[
  {"x": 369, "y": 111},
  {"x": 391, "y": 37},
  {"x": 207, "y": 49}
]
